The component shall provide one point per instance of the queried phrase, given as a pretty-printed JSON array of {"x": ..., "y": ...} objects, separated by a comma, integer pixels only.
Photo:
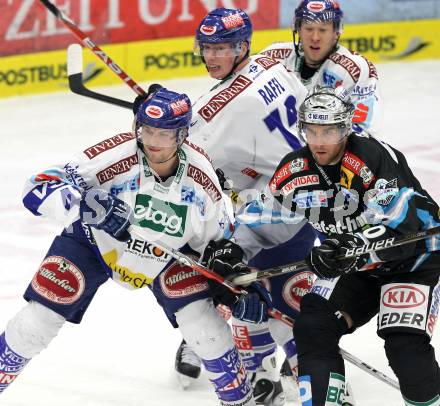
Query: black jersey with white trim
[{"x": 371, "y": 186}]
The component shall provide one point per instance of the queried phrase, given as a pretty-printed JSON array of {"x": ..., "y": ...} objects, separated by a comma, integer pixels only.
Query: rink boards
[{"x": 173, "y": 58}]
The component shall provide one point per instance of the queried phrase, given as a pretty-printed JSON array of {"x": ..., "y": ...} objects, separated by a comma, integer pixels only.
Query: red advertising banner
[{"x": 27, "y": 27}]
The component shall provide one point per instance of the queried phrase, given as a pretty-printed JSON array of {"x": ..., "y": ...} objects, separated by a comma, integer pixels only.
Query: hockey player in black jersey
[{"x": 355, "y": 190}]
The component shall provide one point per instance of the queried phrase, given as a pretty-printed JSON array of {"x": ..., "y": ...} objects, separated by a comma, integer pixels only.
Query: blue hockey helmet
[
  {"x": 223, "y": 25},
  {"x": 319, "y": 11},
  {"x": 166, "y": 110}
]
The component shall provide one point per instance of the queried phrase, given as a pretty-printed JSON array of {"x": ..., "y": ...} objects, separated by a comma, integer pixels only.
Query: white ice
[{"x": 123, "y": 351}]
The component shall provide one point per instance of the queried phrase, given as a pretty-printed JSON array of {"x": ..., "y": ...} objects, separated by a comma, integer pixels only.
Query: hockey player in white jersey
[
  {"x": 316, "y": 57},
  {"x": 154, "y": 185},
  {"x": 246, "y": 123}
]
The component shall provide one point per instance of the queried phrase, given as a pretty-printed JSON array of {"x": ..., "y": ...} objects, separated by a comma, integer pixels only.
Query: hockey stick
[
  {"x": 76, "y": 85},
  {"x": 276, "y": 314},
  {"x": 190, "y": 262},
  {"x": 87, "y": 42},
  {"x": 369, "y": 369},
  {"x": 350, "y": 253}
]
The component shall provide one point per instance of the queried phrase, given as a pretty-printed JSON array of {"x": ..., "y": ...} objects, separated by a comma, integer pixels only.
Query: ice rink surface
[{"x": 122, "y": 354}]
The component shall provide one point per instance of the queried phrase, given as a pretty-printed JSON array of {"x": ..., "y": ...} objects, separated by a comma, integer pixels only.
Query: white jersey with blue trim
[
  {"x": 247, "y": 122},
  {"x": 187, "y": 208},
  {"x": 342, "y": 67}
]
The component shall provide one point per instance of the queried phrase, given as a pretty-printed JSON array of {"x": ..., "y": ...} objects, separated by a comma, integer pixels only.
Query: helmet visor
[
  {"x": 317, "y": 134},
  {"x": 157, "y": 137},
  {"x": 219, "y": 50}
]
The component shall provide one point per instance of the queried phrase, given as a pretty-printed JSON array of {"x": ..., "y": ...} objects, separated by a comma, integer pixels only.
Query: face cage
[
  {"x": 181, "y": 134},
  {"x": 344, "y": 127}
]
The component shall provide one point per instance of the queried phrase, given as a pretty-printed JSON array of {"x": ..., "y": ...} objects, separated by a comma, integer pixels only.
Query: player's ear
[{"x": 244, "y": 48}]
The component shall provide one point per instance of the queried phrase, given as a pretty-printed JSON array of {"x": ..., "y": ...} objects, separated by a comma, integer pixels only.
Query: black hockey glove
[
  {"x": 225, "y": 258},
  {"x": 106, "y": 212},
  {"x": 153, "y": 88},
  {"x": 322, "y": 259},
  {"x": 222, "y": 179}
]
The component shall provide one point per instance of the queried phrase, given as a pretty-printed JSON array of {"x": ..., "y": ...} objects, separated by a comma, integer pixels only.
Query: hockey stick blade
[
  {"x": 351, "y": 253},
  {"x": 87, "y": 42},
  {"x": 76, "y": 85}
]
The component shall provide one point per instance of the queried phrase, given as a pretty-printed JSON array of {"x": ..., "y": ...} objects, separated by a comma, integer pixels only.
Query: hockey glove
[
  {"x": 225, "y": 258},
  {"x": 224, "y": 183},
  {"x": 322, "y": 259},
  {"x": 253, "y": 307},
  {"x": 106, "y": 212},
  {"x": 153, "y": 88}
]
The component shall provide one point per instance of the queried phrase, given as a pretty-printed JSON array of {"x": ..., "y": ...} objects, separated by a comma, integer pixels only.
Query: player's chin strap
[
  {"x": 237, "y": 63},
  {"x": 141, "y": 146},
  {"x": 369, "y": 248},
  {"x": 296, "y": 44},
  {"x": 160, "y": 162},
  {"x": 185, "y": 260}
]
